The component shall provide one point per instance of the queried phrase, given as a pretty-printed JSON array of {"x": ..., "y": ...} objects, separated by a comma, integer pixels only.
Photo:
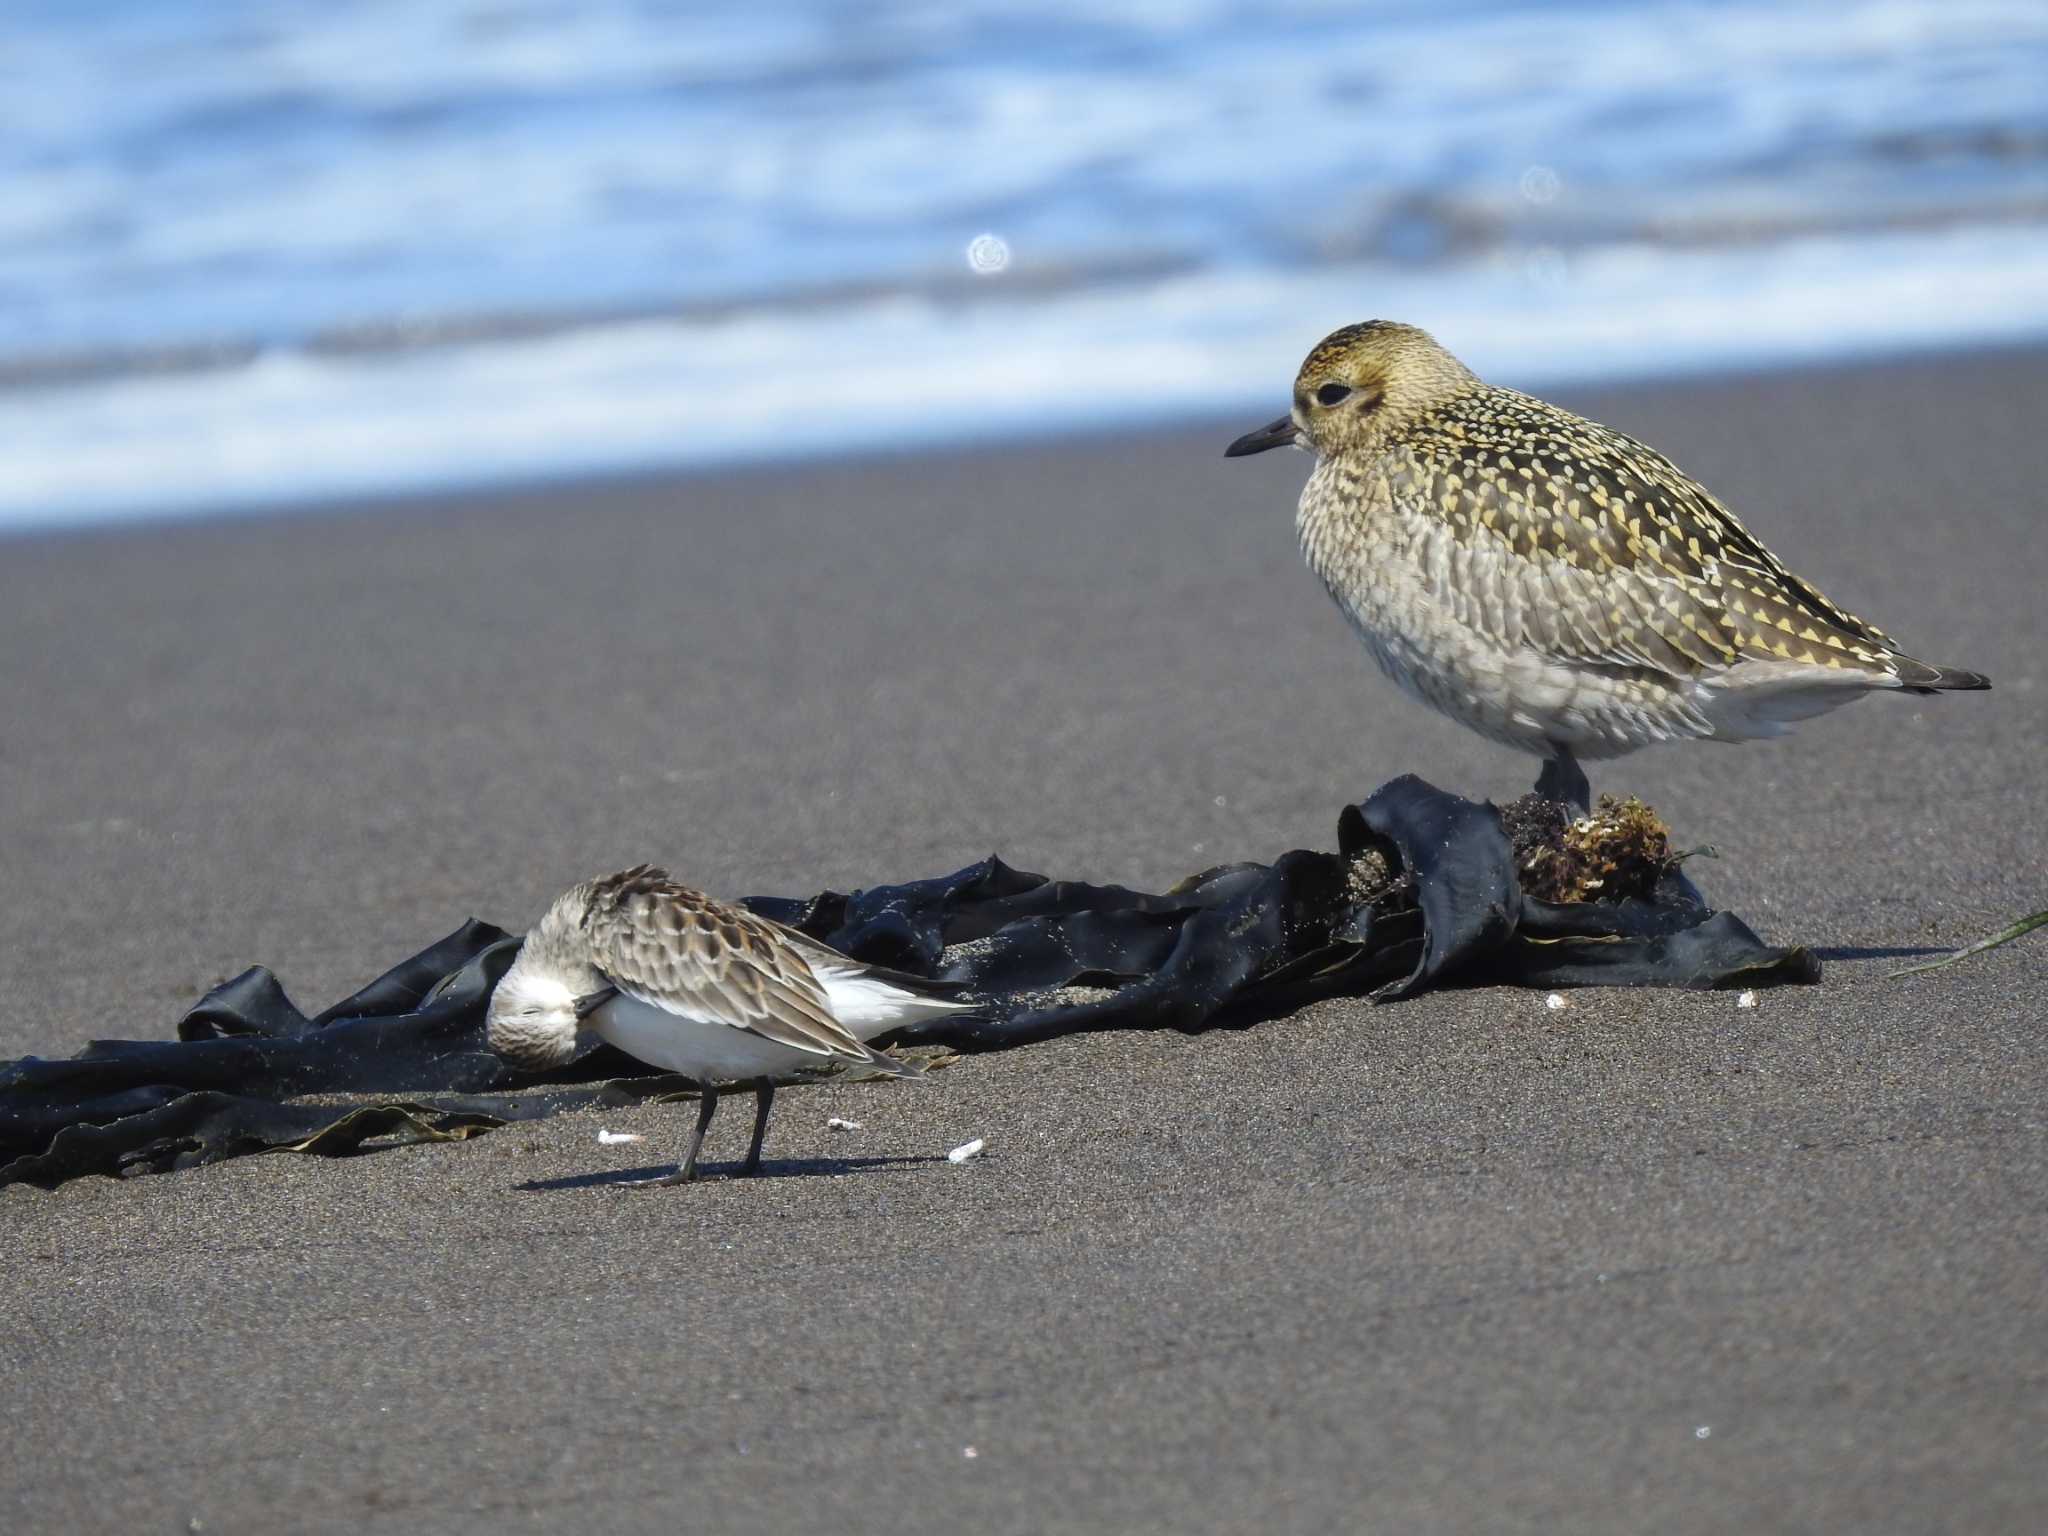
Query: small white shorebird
[
  {"x": 1550, "y": 583},
  {"x": 698, "y": 987}
]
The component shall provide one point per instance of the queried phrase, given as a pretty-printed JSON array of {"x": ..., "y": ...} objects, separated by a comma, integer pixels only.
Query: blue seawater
[{"x": 254, "y": 252}]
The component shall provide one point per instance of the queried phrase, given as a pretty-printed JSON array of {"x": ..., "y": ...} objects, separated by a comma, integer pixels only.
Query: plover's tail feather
[{"x": 1919, "y": 677}]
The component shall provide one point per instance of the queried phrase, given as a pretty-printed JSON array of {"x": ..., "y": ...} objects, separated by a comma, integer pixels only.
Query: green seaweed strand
[{"x": 2018, "y": 930}]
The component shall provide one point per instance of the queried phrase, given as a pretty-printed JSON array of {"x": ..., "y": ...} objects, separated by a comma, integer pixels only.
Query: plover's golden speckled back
[
  {"x": 1550, "y": 583},
  {"x": 696, "y": 986}
]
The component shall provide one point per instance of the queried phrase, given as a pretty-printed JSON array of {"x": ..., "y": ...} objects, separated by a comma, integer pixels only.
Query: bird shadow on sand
[{"x": 709, "y": 1173}]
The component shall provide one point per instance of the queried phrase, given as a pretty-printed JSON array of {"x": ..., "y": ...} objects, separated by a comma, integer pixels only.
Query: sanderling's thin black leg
[
  {"x": 764, "y": 1095},
  {"x": 707, "y": 1102}
]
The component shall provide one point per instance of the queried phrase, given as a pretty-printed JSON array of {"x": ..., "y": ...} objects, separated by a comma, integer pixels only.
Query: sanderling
[
  {"x": 701, "y": 988},
  {"x": 1548, "y": 582}
]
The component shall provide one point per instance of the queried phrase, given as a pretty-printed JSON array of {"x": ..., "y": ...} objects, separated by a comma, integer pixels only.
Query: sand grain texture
[{"x": 1649, "y": 1262}]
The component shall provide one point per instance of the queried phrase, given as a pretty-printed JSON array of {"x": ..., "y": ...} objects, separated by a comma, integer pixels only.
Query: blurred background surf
[{"x": 254, "y": 253}]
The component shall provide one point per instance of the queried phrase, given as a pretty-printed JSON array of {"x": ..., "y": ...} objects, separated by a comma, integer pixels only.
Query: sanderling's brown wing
[{"x": 676, "y": 948}]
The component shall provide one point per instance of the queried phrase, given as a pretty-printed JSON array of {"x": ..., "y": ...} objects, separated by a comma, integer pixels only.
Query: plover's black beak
[
  {"x": 1280, "y": 434},
  {"x": 590, "y": 1002}
]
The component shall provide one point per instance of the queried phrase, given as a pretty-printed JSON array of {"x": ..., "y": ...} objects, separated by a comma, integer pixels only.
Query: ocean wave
[
  {"x": 342, "y": 246},
  {"x": 256, "y": 175},
  {"x": 907, "y": 372}
]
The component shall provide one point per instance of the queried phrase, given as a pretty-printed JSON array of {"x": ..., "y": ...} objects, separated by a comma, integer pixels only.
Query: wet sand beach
[{"x": 1461, "y": 1263}]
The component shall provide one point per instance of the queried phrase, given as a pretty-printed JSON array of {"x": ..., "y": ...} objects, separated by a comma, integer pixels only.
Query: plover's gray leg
[
  {"x": 707, "y": 1102},
  {"x": 764, "y": 1095},
  {"x": 1563, "y": 779}
]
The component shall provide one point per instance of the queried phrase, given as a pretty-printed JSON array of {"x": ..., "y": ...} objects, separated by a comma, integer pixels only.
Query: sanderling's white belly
[{"x": 713, "y": 1052}]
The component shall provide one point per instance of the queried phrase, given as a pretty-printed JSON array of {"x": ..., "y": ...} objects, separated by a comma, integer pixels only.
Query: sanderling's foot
[{"x": 665, "y": 1181}]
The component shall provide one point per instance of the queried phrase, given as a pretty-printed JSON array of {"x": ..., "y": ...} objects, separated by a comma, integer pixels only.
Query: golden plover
[
  {"x": 1550, "y": 583},
  {"x": 698, "y": 987}
]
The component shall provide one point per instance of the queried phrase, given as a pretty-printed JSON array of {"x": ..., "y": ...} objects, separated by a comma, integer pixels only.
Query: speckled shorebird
[
  {"x": 1548, "y": 582},
  {"x": 698, "y": 987}
]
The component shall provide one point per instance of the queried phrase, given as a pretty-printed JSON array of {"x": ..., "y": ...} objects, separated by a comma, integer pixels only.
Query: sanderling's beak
[
  {"x": 1280, "y": 434},
  {"x": 590, "y": 1002}
]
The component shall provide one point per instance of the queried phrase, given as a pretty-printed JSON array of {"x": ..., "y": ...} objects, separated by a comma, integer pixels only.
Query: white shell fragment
[
  {"x": 1554, "y": 1002},
  {"x": 1747, "y": 1000},
  {"x": 965, "y": 1150},
  {"x": 617, "y": 1138},
  {"x": 837, "y": 1124}
]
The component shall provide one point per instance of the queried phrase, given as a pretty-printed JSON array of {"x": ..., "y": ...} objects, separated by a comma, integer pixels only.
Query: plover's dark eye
[{"x": 1334, "y": 394}]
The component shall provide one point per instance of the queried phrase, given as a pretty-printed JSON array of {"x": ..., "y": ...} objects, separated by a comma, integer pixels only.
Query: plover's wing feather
[
  {"x": 675, "y": 948},
  {"x": 1621, "y": 558}
]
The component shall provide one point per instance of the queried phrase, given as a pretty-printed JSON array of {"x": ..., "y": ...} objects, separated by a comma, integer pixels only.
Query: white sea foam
[{"x": 650, "y": 393}]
